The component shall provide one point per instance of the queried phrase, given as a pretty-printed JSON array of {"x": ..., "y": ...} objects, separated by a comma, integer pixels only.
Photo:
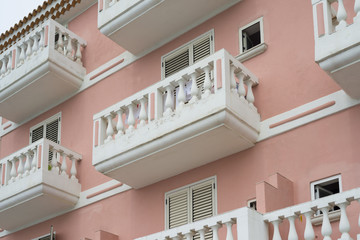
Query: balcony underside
[
  {"x": 37, "y": 85},
  {"x": 140, "y": 26},
  {"x": 33, "y": 198},
  {"x": 338, "y": 54},
  {"x": 200, "y": 134}
]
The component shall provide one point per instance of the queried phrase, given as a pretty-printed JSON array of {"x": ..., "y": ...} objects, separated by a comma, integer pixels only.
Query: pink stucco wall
[{"x": 289, "y": 77}]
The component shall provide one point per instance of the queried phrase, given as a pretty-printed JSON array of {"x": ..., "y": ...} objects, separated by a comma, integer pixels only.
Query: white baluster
[
  {"x": 131, "y": 119},
  {"x": 169, "y": 103},
  {"x": 344, "y": 225},
  {"x": 202, "y": 234},
  {"x": 60, "y": 43},
  {"x": 357, "y": 11},
  {"x": 276, "y": 235},
  {"x": 207, "y": 82},
  {"x": 34, "y": 159},
  {"x": 35, "y": 46},
  {"x": 143, "y": 114},
  {"x": 194, "y": 89},
  {"x": 215, "y": 230},
  {"x": 292, "y": 231},
  {"x": 9, "y": 63},
  {"x": 109, "y": 128},
  {"x": 309, "y": 233},
  {"x": 189, "y": 235},
  {"x": 78, "y": 54},
  {"x": 181, "y": 97},
  {"x": 232, "y": 78},
  {"x": 73, "y": 171},
  {"x": 22, "y": 54},
  {"x": 326, "y": 230},
  {"x": 42, "y": 39},
  {"x": 241, "y": 89},
  {"x": 120, "y": 124},
  {"x": 64, "y": 165},
  {"x": 20, "y": 169},
  {"x": 229, "y": 234},
  {"x": 28, "y": 162},
  {"x": 13, "y": 170},
  {"x": 28, "y": 49},
  {"x": 54, "y": 163},
  {"x": 250, "y": 96},
  {"x": 176, "y": 238},
  {"x": 69, "y": 48},
  {"x": 341, "y": 16},
  {"x": 3, "y": 66}
]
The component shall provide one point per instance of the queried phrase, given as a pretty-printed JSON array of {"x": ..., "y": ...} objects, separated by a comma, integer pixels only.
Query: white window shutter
[
  {"x": 178, "y": 208},
  {"x": 177, "y": 63},
  {"x": 52, "y": 131},
  {"x": 202, "y": 49},
  {"x": 202, "y": 201}
]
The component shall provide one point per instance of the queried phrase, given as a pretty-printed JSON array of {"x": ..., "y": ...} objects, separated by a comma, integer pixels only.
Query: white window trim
[
  {"x": 185, "y": 46},
  {"x": 213, "y": 178},
  {"x": 245, "y": 55},
  {"x": 333, "y": 215},
  {"x": 49, "y": 120},
  {"x": 250, "y": 201},
  {"x": 312, "y": 184}
]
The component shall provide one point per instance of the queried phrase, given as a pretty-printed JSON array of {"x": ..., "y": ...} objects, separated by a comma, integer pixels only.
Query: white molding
[
  {"x": 242, "y": 57},
  {"x": 82, "y": 202},
  {"x": 342, "y": 102}
]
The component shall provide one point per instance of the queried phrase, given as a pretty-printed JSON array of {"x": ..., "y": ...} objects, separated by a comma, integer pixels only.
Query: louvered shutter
[
  {"x": 177, "y": 63},
  {"x": 201, "y": 50},
  {"x": 37, "y": 133},
  {"x": 52, "y": 131},
  {"x": 178, "y": 209}
]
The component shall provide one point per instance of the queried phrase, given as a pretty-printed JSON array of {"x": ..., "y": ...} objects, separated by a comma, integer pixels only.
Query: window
[
  {"x": 323, "y": 188},
  {"x": 46, "y": 237},
  {"x": 49, "y": 129},
  {"x": 252, "y": 204},
  {"x": 187, "y": 54},
  {"x": 190, "y": 203},
  {"x": 251, "y": 40}
]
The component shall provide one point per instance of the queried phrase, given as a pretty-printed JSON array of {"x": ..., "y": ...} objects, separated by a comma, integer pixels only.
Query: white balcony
[
  {"x": 144, "y": 25},
  {"x": 252, "y": 225},
  {"x": 337, "y": 42},
  {"x": 306, "y": 211},
  {"x": 173, "y": 126},
  {"x": 39, "y": 71},
  {"x": 249, "y": 226},
  {"x": 33, "y": 188}
]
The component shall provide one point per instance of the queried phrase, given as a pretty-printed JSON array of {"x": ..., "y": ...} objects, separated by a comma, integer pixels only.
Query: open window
[
  {"x": 323, "y": 188},
  {"x": 251, "y": 40},
  {"x": 252, "y": 204}
]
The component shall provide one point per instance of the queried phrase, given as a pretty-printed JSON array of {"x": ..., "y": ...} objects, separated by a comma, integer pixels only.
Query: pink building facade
[{"x": 162, "y": 119}]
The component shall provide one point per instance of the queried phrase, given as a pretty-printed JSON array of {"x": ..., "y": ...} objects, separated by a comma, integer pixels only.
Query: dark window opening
[{"x": 251, "y": 36}]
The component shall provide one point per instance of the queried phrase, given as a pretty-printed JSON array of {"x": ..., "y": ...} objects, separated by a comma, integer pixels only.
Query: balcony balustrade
[
  {"x": 252, "y": 225},
  {"x": 308, "y": 209},
  {"x": 337, "y": 42},
  {"x": 37, "y": 181},
  {"x": 144, "y": 25},
  {"x": 39, "y": 71},
  {"x": 175, "y": 125}
]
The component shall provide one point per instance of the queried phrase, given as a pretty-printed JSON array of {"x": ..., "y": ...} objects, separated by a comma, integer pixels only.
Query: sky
[{"x": 12, "y": 11}]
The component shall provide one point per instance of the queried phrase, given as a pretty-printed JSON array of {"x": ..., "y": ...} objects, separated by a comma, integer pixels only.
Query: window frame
[
  {"x": 47, "y": 121},
  {"x": 256, "y": 50},
  {"x": 189, "y": 45},
  {"x": 212, "y": 179},
  {"x": 324, "y": 180}
]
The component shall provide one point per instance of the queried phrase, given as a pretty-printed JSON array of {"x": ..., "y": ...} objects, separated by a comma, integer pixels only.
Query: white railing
[
  {"x": 222, "y": 74},
  {"x": 334, "y": 16},
  {"x": 105, "y": 4},
  {"x": 248, "y": 224},
  {"x": 34, "y": 158},
  {"x": 51, "y": 36},
  {"x": 308, "y": 209}
]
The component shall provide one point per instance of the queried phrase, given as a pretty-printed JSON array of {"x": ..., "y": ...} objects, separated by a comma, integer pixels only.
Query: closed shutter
[
  {"x": 52, "y": 131},
  {"x": 37, "y": 133},
  {"x": 177, "y": 63},
  {"x": 191, "y": 204},
  {"x": 201, "y": 50},
  {"x": 178, "y": 205}
]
